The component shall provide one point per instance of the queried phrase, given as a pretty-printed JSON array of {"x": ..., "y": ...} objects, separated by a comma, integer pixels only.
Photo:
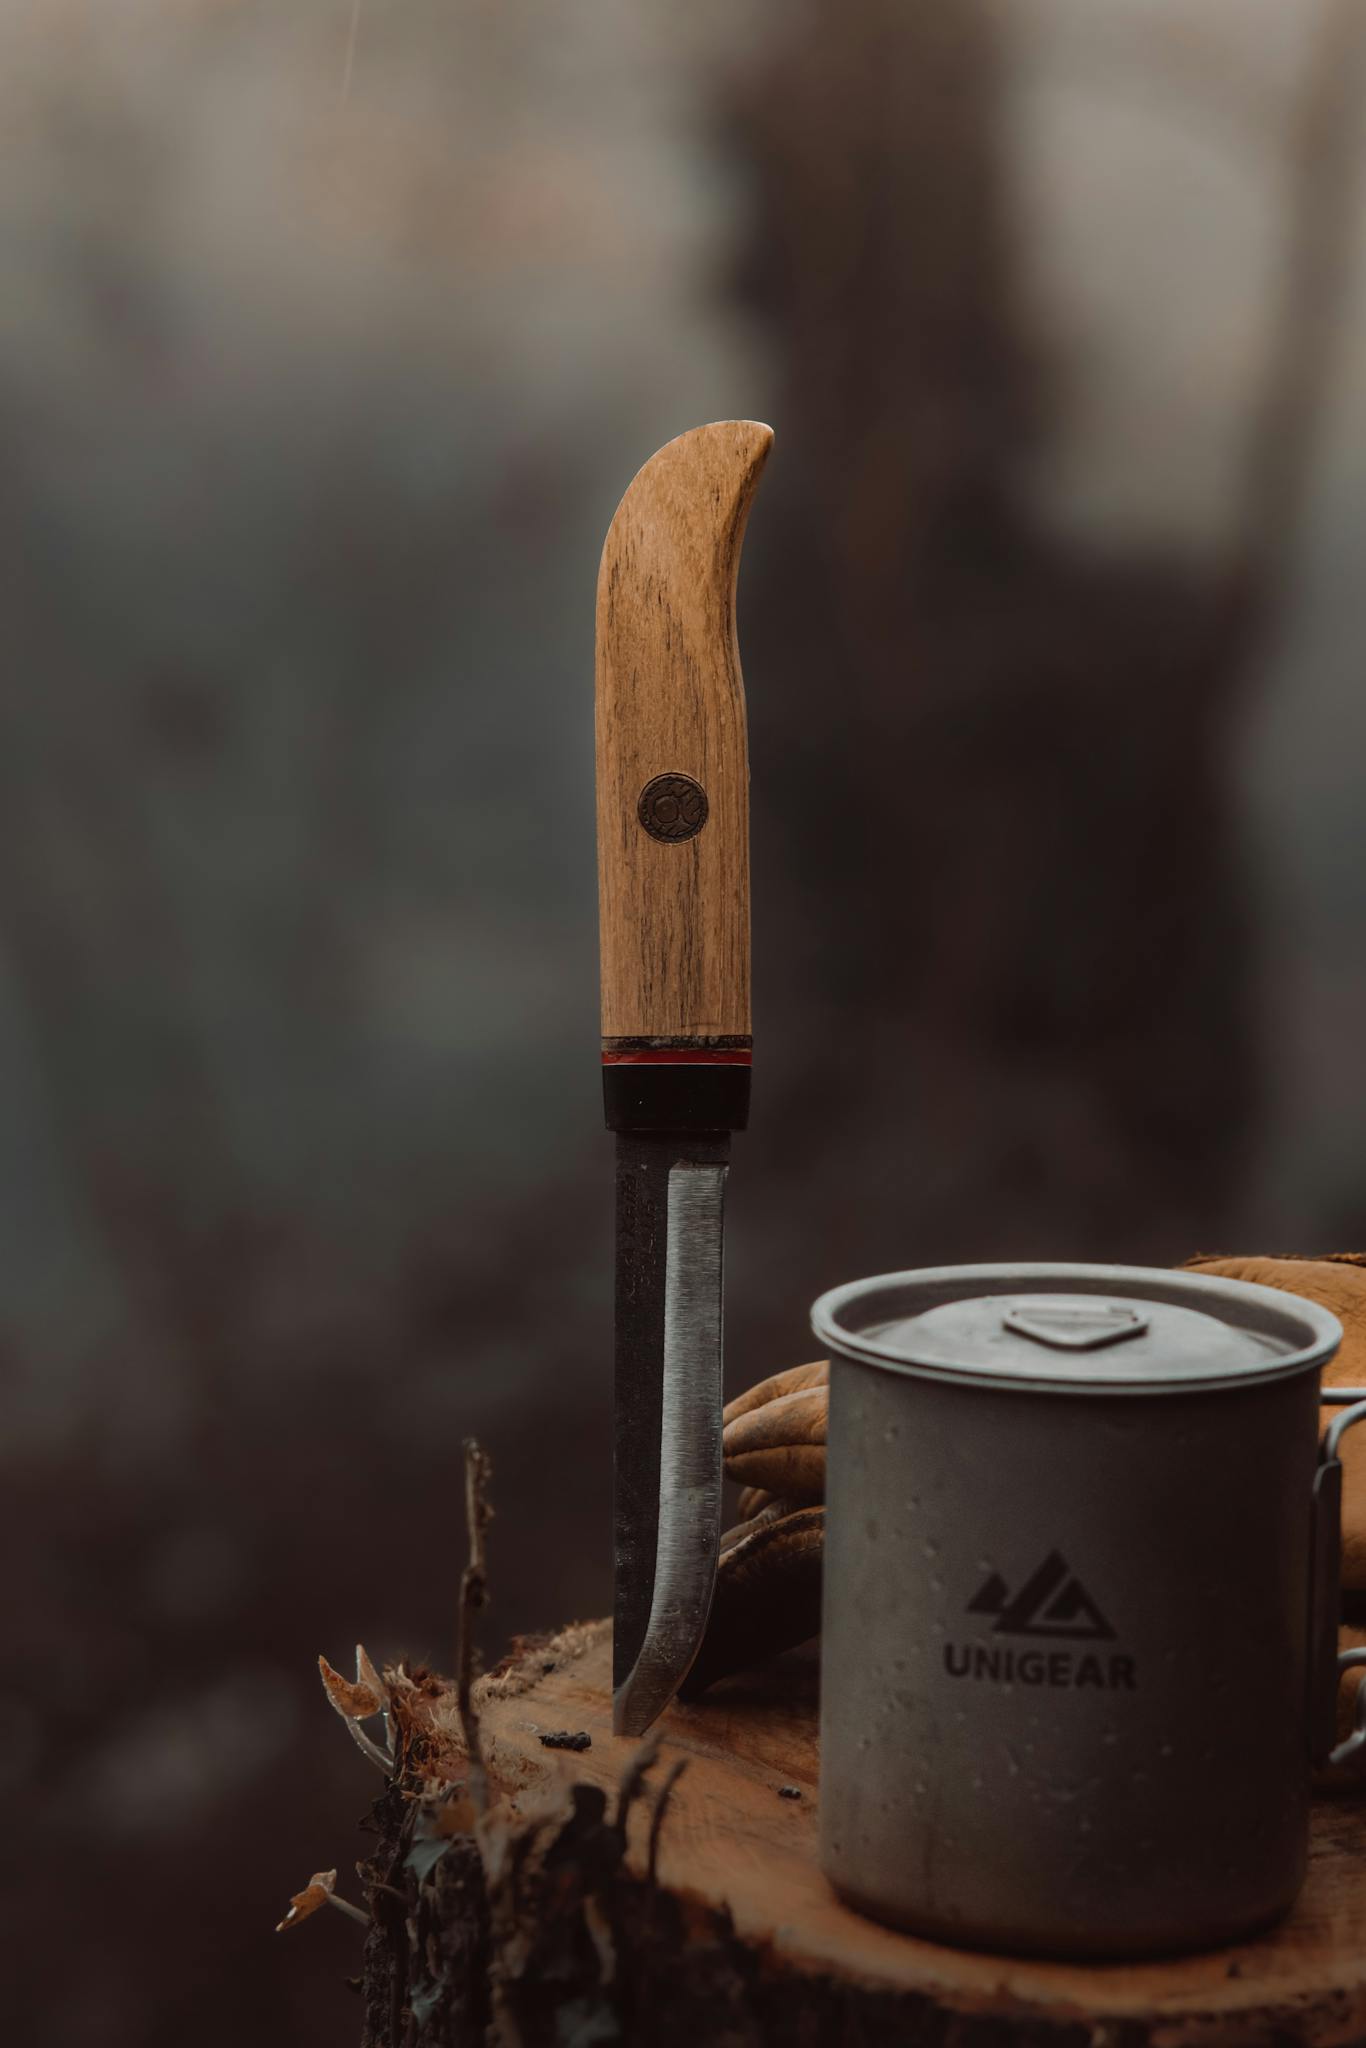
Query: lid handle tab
[{"x": 1074, "y": 1325}]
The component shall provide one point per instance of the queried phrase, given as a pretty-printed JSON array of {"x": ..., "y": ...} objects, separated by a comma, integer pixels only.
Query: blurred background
[{"x": 330, "y": 333}]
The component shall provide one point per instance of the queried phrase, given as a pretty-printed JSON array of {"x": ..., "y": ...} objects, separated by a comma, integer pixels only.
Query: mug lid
[{"x": 1077, "y": 1329}]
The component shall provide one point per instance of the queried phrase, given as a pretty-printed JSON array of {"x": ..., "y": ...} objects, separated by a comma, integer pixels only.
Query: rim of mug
[{"x": 1271, "y": 1313}]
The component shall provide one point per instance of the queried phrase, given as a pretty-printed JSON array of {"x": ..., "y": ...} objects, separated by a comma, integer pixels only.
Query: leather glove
[
  {"x": 1339, "y": 1283},
  {"x": 768, "y": 1589}
]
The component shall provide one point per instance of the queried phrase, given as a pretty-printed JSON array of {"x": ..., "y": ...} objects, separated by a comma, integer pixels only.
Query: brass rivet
[{"x": 672, "y": 807}]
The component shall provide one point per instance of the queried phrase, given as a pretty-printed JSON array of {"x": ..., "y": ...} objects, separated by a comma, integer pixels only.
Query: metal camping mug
[{"x": 1081, "y": 1603}]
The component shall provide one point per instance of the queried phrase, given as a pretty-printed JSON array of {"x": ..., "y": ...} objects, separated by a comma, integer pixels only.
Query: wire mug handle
[{"x": 1327, "y": 1663}]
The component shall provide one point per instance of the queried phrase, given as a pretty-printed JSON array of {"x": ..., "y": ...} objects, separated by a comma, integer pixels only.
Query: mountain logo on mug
[{"x": 1051, "y": 1602}]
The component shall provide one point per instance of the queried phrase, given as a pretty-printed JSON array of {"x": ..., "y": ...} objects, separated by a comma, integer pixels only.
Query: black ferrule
[{"x": 659, "y": 1096}]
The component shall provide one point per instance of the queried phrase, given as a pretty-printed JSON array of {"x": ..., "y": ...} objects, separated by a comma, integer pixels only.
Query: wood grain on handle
[{"x": 674, "y": 897}]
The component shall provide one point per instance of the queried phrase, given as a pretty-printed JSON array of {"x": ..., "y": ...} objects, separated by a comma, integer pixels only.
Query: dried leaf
[
  {"x": 359, "y": 1701},
  {"x": 424, "y": 2001},
  {"x": 586, "y": 2023},
  {"x": 366, "y": 1674},
  {"x": 493, "y": 1831},
  {"x": 314, "y": 1894},
  {"x": 457, "y": 1816},
  {"x": 424, "y": 1856}
]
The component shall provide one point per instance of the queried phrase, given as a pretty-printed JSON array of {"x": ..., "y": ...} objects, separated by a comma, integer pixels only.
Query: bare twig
[
  {"x": 633, "y": 1777},
  {"x": 473, "y": 1599},
  {"x": 359, "y": 1702},
  {"x": 368, "y": 1747},
  {"x": 675, "y": 1772}
]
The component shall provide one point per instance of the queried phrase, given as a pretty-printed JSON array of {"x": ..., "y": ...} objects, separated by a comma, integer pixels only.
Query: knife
[{"x": 673, "y": 900}]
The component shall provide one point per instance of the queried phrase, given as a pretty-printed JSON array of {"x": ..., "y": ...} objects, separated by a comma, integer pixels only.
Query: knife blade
[{"x": 673, "y": 887}]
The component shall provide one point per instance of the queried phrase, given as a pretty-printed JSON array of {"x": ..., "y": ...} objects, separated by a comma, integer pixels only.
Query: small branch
[
  {"x": 473, "y": 1599},
  {"x": 676, "y": 1770},
  {"x": 368, "y": 1747},
  {"x": 345, "y": 1906},
  {"x": 359, "y": 1702},
  {"x": 633, "y": 1777}
]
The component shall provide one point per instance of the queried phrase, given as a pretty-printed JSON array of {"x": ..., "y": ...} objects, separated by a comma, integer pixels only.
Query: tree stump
[{"x": 610, "y": 1891}]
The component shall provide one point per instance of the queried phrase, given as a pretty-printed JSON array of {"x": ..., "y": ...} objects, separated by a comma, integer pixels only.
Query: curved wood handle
[{"x": 673, "y": 864}]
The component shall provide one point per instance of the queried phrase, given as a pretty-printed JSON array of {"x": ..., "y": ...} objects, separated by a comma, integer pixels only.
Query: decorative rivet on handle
[{"x": 672, "y": 807}]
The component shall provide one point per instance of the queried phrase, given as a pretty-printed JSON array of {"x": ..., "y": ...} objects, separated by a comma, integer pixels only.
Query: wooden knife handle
[{"x": 672, "y": 759}]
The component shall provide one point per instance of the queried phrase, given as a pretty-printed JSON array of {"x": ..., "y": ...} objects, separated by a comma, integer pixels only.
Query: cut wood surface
[
  {"x": 735, "y": 1841},
  {"x": 674, "y": 909}
]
